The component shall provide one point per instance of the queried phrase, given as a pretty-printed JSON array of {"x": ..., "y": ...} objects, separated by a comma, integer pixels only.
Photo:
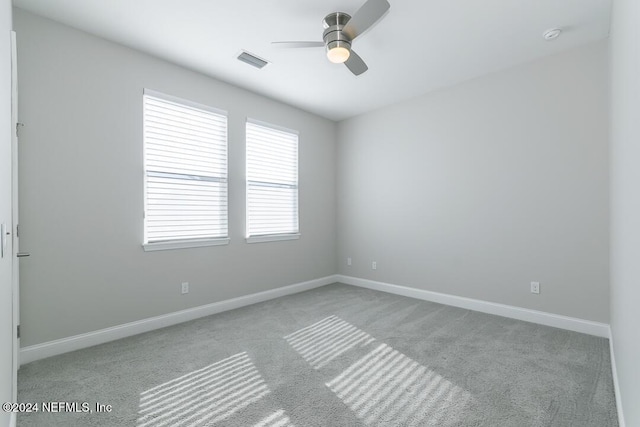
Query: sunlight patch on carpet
[
  {"x": 277, "y": 419},
  {"x": 327, "y": 339},
  {"x": 385, "y": 387},
  {"x": 204, "y": 396}
]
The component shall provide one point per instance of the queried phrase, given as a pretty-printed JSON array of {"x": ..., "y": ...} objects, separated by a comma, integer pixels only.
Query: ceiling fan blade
[
  {"x": 355, "y": 64},
  {"x": 368, "y": 14},
  {"x": 297, "y": 44}
]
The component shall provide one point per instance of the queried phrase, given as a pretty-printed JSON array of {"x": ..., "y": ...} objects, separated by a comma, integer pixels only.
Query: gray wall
[
  {"x": 479, "y": 189},
  {"x": 474, "y": 190},
  {"x": 6, "y": 294},
  {"x": 625, "y": 202},
  {"x": 81, "y": 189}
]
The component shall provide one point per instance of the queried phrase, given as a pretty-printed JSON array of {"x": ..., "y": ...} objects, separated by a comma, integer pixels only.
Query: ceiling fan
[{"x": 340, "y": 30}]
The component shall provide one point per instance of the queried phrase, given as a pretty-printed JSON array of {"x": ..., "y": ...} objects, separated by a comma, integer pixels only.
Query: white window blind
[
  {"x": 272, "y": 180},
  {"x": 185, "y": 154}
]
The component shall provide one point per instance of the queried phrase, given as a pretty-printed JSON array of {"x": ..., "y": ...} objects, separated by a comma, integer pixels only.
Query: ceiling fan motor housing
[{"x": 333, "y": 36}]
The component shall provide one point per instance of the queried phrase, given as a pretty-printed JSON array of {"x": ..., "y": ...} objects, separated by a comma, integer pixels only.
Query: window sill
[
  {"x": 272, "y": 238},
  {"x": 184, "y": 244}
]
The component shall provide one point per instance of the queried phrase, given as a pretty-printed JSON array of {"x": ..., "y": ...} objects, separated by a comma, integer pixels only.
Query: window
[
  {"x": 272, "y": 183},
  {"x": 185, "y": 156}
]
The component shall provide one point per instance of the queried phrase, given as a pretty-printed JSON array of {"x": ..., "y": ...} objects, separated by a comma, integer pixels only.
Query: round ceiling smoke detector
[{"x": 551, "y": 34}]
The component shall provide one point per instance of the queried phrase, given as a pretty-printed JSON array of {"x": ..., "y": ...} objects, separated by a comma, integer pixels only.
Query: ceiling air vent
[{"x": 252, "y": 60}]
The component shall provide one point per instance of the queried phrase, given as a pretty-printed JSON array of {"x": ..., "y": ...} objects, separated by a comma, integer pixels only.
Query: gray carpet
[{"x": 333, "y": 356}]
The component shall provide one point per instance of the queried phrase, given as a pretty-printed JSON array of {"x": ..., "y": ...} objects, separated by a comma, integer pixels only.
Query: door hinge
[
  {"x": 17, "y": 231},
  {"x": 18, "y": 126},
  {"x": 18, "y": 331}
]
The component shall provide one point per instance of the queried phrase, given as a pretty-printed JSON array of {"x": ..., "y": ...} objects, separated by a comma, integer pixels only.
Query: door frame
[{"x": 15, "y": 273}]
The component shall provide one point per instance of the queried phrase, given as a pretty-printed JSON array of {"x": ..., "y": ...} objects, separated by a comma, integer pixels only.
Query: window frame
[
  {"x": 275, "y": 236},
  {"x": 184, "y": 242}
]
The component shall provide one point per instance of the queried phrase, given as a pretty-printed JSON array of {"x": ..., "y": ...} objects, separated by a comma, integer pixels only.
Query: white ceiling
[{"x": 419, "y": 46}]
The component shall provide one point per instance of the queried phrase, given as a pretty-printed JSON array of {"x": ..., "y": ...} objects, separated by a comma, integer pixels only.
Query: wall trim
[
  {"x": 12, "y": 420},
  {"x": 616, "y": 385},
  {"x": 77, "y": 342},
  {"x": 525, "y": 314},
  {"x": 52, "y": 348}
]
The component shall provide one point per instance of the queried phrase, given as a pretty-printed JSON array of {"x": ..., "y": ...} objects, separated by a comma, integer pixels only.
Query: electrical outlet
[
  {"x": 349, "y": 261},
  {"x": 185, "y": 287},
  {"x": 374, "y": 265},
  {"x": 535, "y": 287}
]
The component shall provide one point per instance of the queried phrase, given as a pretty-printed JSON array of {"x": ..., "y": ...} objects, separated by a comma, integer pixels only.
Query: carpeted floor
[{"x": 333, "y": 356}]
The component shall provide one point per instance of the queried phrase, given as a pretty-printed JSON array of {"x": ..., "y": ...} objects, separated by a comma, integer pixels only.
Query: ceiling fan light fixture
[
  {"x": 340, "y": 29},
  {"x": 338, "y": 54}
]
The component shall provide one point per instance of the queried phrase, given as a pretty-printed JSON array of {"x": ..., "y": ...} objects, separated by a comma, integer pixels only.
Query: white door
[
  {"x": 7, "y": 255},
  {"x": 14, "y": 217}
]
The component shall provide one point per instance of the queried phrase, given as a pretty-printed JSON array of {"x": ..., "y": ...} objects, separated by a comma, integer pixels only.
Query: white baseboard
[
  {"x": 616, "y": 386},
  {"x": 534, "y": 316},
  {"x": 77, "y": 342}
]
